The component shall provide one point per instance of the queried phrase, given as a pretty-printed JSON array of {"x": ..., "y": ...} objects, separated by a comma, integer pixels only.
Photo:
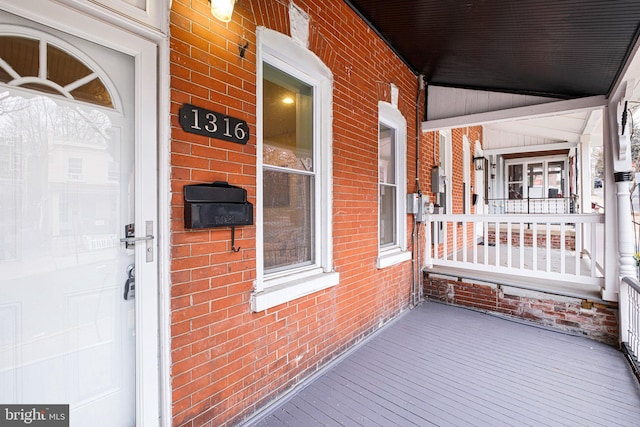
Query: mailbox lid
[{"x": 217, "y": 192}]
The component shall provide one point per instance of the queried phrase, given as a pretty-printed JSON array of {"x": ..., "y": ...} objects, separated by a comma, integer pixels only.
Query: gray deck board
[{"x": 449, "y": 366}]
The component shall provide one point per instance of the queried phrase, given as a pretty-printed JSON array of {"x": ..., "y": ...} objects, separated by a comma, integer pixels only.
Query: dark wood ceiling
[{"x": 560, "y": 48}]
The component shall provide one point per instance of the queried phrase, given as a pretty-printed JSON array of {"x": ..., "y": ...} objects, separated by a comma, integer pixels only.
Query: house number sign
[{"x": 214, "y": 125}]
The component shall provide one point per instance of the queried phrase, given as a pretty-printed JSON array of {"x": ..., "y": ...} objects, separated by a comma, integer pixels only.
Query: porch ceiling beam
[
  {"x": 529, "y": 148},
  {"x": 518, "y": 113}
]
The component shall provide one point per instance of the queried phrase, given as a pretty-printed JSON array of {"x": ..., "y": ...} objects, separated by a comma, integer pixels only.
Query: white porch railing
[
  {"x": 630, "y": 316},
  {"x": 557, "y": 247}
]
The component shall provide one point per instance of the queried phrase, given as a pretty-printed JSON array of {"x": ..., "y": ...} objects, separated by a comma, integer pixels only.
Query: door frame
[{"x": 152, "y": 289}]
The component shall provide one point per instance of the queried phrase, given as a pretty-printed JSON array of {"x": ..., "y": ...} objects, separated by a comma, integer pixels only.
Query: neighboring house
[{"x": 136, "y": 306}]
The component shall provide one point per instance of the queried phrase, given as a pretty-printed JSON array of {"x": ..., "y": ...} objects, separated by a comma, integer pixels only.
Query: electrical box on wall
[
  {"x": 437, "y": 180},
  {"x": 413, "y": 203},
  {"x": 423, "y": 209},
  {"x": 419, "y": 205},
  {"x": 216, "y": 205}
]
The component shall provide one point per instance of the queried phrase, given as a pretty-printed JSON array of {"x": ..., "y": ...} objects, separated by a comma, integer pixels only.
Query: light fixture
[
  {"x": 478, "y": 163},
  {"x": 222, "y": 9},
  {"x": 287, "y": 100}
]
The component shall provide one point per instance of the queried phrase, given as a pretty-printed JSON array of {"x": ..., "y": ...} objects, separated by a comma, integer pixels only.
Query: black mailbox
[{"x": 216, "y": 205}]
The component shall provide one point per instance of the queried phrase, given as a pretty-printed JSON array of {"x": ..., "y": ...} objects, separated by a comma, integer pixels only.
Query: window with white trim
[
  {"x": 392, "y": 225},
  {"x": 293, "y": 212}
]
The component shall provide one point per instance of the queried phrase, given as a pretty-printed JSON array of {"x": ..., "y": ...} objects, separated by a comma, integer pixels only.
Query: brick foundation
[
  {"x": 595, "y": 320},
  {"x": 541, "y": 238}
]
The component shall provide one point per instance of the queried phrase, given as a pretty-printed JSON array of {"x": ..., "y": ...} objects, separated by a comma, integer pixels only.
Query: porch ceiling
[
  {"x": 553, "y": 129},
  {"x": 568, "y": 49}
]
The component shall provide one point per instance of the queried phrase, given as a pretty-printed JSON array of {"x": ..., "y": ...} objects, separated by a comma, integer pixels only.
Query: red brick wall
[
  {"x": 541, "y": 239},
  {"x": 595, "y": 320},
  {"x": 226, "y": 360}
]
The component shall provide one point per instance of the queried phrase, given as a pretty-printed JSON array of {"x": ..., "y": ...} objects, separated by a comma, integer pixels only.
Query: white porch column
[
  {"x": 625, "y": 224},
  {"x": 619, "y": 234}
]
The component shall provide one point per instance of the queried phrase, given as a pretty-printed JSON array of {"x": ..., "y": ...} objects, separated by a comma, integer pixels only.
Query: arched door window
[{"x": 37, "y": 64}]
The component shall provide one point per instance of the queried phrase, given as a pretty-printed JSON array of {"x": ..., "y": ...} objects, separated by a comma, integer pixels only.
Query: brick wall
[
  {"x": 226, "y": 360},
  {"x": 541, "y": 239},
  {"x": 592, "y": 319}
]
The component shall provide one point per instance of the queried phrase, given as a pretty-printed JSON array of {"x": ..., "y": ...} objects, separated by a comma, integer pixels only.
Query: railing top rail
[
  {"x": 633, "y": 282},
  {"x": 525, "y": 218}
]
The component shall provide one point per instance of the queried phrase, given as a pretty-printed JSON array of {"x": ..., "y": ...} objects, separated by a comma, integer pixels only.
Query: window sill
[
  {"x": 393, "y": 257},
  {"x": 286, "y": 291}
]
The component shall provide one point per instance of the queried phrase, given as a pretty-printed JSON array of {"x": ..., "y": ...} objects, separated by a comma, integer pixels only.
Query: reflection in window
[
  {"x": 56, "y": 190},
  {"x": 288, "y": 171},
  {"x": 74, "y": 168}
]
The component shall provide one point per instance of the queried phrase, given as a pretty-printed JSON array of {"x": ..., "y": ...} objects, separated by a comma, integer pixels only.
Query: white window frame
[
  {"x": 390, "y": 255},
  {"x": 272, "y": 289}
]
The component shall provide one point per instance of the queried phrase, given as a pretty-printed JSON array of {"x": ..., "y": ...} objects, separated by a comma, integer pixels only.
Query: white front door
[{"x": 70, "y": 181}]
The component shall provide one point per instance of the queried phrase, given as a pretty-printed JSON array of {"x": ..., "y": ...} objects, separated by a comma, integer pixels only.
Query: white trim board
[{"x": 540, "y": 110}]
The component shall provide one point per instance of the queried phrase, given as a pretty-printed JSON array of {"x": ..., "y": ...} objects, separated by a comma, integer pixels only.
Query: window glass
[
  {"x": 515, "y": 181},
  {"x": 288, "y": 220},
  {"x": 288, "y": 121},
  {"x": 288, "y": 172},
  {"x": 536, "y": 180},
  {"x": 387, "y": 179},
  {"x": 555, "y": 177},
  {"x": 67, "y": 72}
]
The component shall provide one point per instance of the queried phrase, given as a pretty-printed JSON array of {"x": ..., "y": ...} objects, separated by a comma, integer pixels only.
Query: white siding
[{"x": 495, "y": 139}]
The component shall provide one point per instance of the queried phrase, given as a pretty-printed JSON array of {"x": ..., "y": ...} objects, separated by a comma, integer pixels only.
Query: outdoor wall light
[
  {"x": 222, "y": 9},
  {"x": 478, "y": 163}
]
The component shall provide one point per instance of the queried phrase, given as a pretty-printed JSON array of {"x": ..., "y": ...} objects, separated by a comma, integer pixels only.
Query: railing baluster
[
  {"x": 577, "y": 244},
  {"x": 562, "y": 247},
  {"x": 522, "y": 243},
  {"x": 634, "y": 324},
  {"x": 497, "y": 244},
  {"x": 454, "y": 254},
  {"x": 475, "y": 243},
  {"x": 594, "y": 228},
  {"x": 464, "y": 242},
  {"x": 635, "y": 310},
  {"x": 445, "y": 237},
  {"x": 548, "y": 247},
  {"x": 509, "y": 244},
  {"x": 534, "y": 227},
  {"x": 429, "y": 248},
  {"x": 485, "y": 239}
]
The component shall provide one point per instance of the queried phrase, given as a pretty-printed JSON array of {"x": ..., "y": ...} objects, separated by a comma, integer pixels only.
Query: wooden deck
[{"x": 443, "y": 365}]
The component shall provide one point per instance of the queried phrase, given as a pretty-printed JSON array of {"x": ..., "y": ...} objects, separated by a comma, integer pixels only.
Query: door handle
[
  {"x": 130, "y": 238},
  {"x": 133, "y": 240}
]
